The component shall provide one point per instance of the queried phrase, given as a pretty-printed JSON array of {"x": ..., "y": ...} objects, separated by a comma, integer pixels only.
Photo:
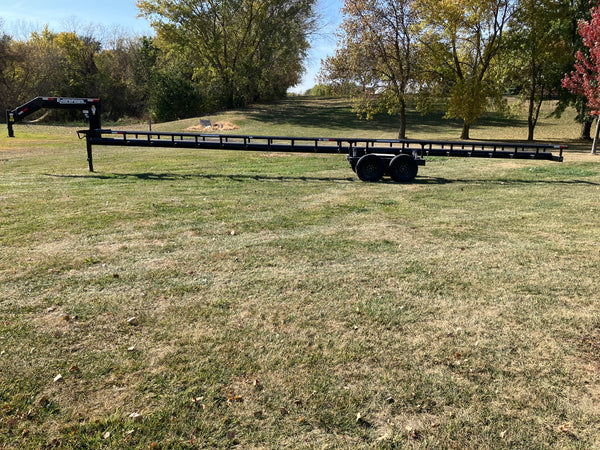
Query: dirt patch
[{"x": 207, "y": 126}]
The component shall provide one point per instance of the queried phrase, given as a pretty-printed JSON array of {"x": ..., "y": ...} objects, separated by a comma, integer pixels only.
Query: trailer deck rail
[
  {"x": 383, "y": 151},
  {"x": 371, "y": 159}
]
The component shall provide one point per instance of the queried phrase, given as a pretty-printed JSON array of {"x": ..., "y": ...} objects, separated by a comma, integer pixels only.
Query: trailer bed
[{"x": 398, "y": 158}]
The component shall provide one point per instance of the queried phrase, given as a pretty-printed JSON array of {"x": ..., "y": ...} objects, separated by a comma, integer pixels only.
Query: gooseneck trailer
[{"x": 371, "y": 159}]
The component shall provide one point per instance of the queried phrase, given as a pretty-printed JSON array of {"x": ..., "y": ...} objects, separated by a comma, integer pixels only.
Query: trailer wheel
[
  {"x": 370, "y": 168},
  {"x": 403, "y": 168}
]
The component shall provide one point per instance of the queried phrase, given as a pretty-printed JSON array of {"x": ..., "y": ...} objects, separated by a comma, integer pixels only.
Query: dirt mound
[{"x": 207, "y": 126}]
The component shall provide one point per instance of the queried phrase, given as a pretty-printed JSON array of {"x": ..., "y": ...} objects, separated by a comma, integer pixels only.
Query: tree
[
  {"x": 9, "y": 72},
  {"x": 250, "y": 49},
  {"x": 538, "y": 53},
  {"x": 463, "y": 41},
  {"x": 576, "y": 10},
  {"x": 74, "y": 70},
  {"x": 585, "y": 78},
  {"x": 376, "y": 52},
  {"x": 123, "y": 91}
]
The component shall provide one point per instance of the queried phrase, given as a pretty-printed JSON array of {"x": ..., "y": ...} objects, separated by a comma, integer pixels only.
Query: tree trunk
[
  {"x": 465, "y": 131},
  {"x": 586, "y": 127},
  {"x": 530, "y": 121},
  {"x": 595, "y": 143},
  {"x": 402, "y": 131}
]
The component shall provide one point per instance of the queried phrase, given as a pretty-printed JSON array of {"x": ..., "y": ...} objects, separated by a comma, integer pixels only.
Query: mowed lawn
[{"x": 204, "y": 299}]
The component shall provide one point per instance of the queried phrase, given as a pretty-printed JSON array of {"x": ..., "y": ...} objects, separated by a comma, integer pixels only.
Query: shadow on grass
[
  {"x": 338, "y": 114},
  {"x": 165, "y": 176},
  {"x": 421, "y": 180}
]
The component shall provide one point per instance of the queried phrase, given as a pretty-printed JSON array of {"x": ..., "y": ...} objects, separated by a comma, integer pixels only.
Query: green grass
[{"x": 282, "y": 303}]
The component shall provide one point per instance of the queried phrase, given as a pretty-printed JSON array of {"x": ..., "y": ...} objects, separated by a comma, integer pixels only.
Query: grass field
[{"x": 195, "y": 299}]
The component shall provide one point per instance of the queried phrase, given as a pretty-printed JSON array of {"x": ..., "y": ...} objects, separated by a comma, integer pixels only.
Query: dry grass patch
[{"x": 278, "y": 302}]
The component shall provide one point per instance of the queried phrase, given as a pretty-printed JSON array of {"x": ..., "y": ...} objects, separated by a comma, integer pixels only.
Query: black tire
[
  {"x": 370, "y": 168},
  {"x": 403, "y": 168}
]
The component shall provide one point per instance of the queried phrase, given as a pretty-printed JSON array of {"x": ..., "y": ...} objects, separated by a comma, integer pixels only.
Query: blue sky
[{"x": 20, "y": 17}]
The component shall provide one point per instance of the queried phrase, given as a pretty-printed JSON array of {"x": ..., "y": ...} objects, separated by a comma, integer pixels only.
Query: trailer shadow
[
  {"x": 166, "y": 176},
  {"x": 420, "y": 180}
]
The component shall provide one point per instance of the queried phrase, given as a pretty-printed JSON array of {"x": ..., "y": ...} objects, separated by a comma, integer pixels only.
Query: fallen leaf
[
  {"x": 136, "y": 417},
  {"x": 566, "y": 428},
  {"x": 415, "y": 434},
  {"x": 385, "y": 437},
  {"x": 235, "y": 399},
  {"x": 360, "y": 420}
]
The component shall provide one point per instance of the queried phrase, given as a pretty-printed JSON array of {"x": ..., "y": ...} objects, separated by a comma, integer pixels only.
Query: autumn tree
[
  {"x": 28, "y": 68},
  {"x": 376, "y": 53},
  {"x": 463, "y": 42},
  {"x": 73, "y": 71},
  {"x": 577, "y": 10},
  {"x": 10, "y": 62},
  {"x": 585, "y": 78},
  {"x": 250, "y": 49}
]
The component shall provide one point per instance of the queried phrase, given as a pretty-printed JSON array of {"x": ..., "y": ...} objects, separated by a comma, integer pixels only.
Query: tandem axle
[{"x": 371, "y": 159}]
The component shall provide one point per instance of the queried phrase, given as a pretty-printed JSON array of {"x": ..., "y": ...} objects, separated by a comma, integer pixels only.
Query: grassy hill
[{"x": 218, "y": 299}]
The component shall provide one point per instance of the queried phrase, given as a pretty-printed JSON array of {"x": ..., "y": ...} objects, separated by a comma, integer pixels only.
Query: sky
[{"x": 21, "y": 17}]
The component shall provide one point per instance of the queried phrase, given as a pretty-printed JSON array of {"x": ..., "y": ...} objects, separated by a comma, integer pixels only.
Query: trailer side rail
[{"x": 351, "y": 146}]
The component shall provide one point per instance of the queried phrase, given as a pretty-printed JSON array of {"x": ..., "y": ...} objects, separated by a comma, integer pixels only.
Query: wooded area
[
  {"x": 463, "y": 56},
  {"x": 205, "y": 56}
]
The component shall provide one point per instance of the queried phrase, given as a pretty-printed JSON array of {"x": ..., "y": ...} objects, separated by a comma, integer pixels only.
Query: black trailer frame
[
  {"x": 371, "y": 159},
  {"x": 90, "y": 107}
]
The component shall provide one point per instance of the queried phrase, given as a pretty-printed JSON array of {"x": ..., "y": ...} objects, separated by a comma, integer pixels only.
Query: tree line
[
  {"x": 206, "y": 55},
  {"x": 465, "y": 54}
]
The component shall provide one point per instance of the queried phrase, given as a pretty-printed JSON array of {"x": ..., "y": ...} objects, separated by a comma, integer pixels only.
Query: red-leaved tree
[{"x": 585, "y": 79}]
